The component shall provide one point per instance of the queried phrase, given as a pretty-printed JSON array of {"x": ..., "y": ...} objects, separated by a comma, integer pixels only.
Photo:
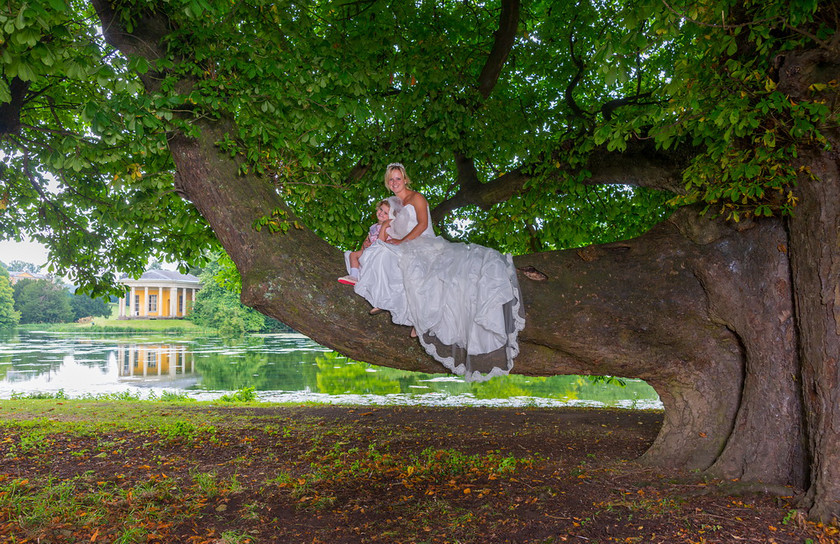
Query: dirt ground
[{"x": 385, "y": 475}]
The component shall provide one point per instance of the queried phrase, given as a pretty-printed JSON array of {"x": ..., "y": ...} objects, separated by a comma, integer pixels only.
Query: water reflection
[
  {"x": 154, "y": 361},
  {"x": 283, "y": 367}
]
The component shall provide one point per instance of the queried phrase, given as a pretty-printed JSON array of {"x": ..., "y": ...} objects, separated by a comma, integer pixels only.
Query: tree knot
[{"x": 532, "y": 273}]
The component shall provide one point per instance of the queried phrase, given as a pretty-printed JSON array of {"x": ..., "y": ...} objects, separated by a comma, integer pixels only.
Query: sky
[{"x": 30, "y": 252}]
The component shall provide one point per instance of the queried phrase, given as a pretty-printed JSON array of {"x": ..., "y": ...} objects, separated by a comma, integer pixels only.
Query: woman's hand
[{"x": 394, "y": 241}]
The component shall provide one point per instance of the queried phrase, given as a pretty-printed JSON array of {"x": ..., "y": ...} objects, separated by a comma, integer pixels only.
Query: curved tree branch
[
  {"x": 569, "y": 92},
  {"x": 640, "y": 165},
  {"x": 483, "y": 195},
  {"x": 505, "y": 36},
  {"x": 470, "y": 188}
]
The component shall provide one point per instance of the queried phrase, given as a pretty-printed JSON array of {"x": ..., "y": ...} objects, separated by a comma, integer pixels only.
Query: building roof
[
  {"x": 15, "y": 277},
  {"x": 168, "y": 276}
]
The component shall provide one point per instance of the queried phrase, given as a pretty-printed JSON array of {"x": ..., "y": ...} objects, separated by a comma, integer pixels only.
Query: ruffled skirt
[{"x": 462, "y": 299}]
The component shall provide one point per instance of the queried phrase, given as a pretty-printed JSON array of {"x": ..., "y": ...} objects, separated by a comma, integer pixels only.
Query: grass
[
  {"x": 44, "y": 417},
  {"x": 123, "y": 470},
  {"x": 114, "y": 324},
  {"x": 135, "y": 511},
  {"x": 89, "y": 508}
]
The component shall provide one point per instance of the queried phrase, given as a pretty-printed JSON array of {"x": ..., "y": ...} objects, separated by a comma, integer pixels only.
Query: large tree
[
  {"x": 42, "y": 301},
  {"x": 9, "y": 317},
  {"x": 533, "y": 126}
]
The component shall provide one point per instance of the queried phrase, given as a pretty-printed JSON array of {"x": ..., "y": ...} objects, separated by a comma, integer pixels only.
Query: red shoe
[{"x": 348, "y": 280}]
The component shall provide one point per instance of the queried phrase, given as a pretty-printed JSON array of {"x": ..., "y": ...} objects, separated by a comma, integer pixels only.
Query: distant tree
[
  {"x": 154, "y": 265},
  {"x": 85, "y": 306},
  {"x": 217, "y": 306},
  {"x": 8, "y": 315},
  {"x": 23, "y": 266},
  {"x": 42, "y": 301}
]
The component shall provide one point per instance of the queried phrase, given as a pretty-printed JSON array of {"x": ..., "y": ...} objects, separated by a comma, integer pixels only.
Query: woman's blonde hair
[{"x": 396, "y": 166}]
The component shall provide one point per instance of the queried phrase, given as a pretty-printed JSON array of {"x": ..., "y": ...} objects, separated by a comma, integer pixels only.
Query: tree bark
[
  {"x": 815, "y": 263},
  {"x": 815, "y": 259}
]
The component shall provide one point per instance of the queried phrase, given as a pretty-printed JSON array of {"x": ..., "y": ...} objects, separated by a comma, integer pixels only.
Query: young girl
[{"x": 377, "y": 231}]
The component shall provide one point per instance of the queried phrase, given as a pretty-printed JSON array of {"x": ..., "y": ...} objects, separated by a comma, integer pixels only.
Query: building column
[
  {"x": 122, "y": 306},
  {"x": 173, "y": 309},
  {"x": 144, "y": 304},
  {"x": 131, "y": 303}
]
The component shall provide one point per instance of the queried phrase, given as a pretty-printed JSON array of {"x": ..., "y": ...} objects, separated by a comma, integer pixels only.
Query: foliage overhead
[{"x": 324, "y": 94}]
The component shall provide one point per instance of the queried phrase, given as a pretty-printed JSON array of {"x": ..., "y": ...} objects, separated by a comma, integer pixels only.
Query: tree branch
[
  {"x": 148, "y": 45},
  {"x": 640, "y": 165},
  {"x": 483, "y": 195},
  {"x": 10, "y": 111},
  {"x": 569, "y": 92},
  {"x": 357, "y": 172},
  {"x": 505, "y": 36},
  {"x": 467, "y": 179},
  {"x": 608, "y": 108}
]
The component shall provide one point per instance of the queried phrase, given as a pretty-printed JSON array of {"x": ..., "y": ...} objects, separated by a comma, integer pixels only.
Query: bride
[{"x": 462, "y": 300}]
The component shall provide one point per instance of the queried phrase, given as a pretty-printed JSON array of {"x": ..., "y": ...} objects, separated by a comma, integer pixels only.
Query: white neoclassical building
[{"x": 159, "y": 294}]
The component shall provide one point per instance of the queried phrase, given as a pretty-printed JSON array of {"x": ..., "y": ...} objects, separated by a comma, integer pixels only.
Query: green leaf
[
  {"x": 5, "y": 93},
  {"x": 138, "y": 64},
  {"x": 25, "y": 72}
]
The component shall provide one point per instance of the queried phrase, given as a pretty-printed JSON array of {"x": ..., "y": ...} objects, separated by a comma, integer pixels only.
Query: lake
[{"x": 284, "y": 367}]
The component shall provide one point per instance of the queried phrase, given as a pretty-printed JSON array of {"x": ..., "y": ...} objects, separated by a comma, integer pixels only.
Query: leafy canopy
[{"x": 321, "y": 91}]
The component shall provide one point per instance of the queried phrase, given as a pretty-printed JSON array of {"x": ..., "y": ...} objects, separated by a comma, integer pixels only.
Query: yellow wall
[{"x": 163, "y": 302}]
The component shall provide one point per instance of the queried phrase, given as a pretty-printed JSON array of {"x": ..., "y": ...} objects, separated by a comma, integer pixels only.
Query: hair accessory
[{"x": 395, "y": 165}]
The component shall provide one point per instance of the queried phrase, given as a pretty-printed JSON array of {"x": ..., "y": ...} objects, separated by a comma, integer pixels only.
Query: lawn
[{"x": 110, "y": 470}]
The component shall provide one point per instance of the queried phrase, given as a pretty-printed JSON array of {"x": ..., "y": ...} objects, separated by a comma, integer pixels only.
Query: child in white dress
[{"x": 377, "y": 231}]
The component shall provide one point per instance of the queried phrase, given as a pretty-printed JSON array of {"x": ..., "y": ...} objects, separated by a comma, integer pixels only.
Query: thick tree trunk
[
  {"x": 815, "y": 263},
  {"x": 815, "y": 259}
]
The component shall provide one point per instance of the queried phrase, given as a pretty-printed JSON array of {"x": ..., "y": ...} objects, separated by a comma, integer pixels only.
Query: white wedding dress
[{"x": 462, "y": 299}]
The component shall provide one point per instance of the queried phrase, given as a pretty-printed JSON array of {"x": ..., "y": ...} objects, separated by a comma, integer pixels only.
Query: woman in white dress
[{"x": 462, "y": 300}]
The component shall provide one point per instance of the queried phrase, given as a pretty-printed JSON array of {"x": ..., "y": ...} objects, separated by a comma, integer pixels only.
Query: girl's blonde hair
[{"x": 396, "y": 166}]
